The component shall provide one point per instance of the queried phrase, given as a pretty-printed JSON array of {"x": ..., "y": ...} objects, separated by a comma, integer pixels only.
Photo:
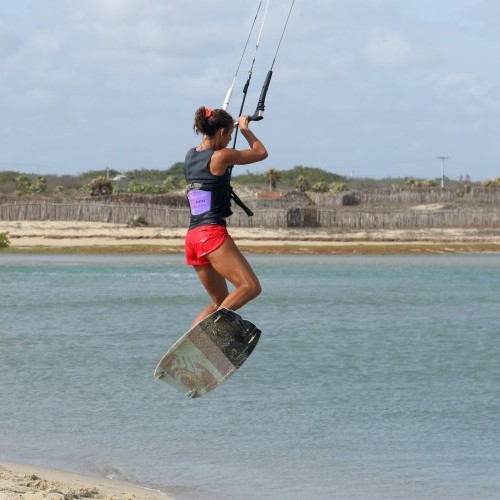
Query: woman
[{"x": 209, "y": 248}]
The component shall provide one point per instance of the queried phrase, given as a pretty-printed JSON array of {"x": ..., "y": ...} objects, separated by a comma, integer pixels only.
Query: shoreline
[
  {"x": 19, "y": 481},
  {"x": 104, "y": 238}
]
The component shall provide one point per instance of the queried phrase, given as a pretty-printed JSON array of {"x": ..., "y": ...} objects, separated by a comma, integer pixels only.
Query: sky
[{"x": 361, "y": 88}]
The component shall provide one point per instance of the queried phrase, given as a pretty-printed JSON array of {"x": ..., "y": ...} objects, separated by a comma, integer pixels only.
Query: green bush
[
  {"x": 319, "y": 187},
  {"x": 139, "y": 188},
  {"x": 170, "y": 183},
  {"x": 302, "y": 183},
  {"x": 4, "y": 240},
  {"x": 492, "y": 182},
  {"x": 100, "y": 186},
  {"x": 25, "y": 184},
  {"x": 338, "y": 187}
]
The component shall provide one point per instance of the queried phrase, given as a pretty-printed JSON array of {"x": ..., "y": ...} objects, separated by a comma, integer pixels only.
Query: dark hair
[{"x": 207, "y": 121}]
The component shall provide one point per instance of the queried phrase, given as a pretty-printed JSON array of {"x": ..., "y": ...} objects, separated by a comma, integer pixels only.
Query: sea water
[{"x": 377, "y": 377}]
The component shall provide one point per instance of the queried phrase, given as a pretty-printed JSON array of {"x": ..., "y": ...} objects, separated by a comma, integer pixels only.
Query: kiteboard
[{"x": 208, "y": 354}]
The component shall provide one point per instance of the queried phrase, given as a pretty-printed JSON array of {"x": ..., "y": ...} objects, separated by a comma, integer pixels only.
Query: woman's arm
[{"x": 224, "y": 158}]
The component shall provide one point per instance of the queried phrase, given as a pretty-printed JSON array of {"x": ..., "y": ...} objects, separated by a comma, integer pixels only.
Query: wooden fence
[
  {"x": 167, "y": 216},
  {"x": 405, "y": 197},
  {"x": 95, "y": 211},
  {"x": 409, "y": 219}
]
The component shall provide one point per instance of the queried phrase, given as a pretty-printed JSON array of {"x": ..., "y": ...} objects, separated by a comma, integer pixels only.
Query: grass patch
[{"x": 362, "y": 248}]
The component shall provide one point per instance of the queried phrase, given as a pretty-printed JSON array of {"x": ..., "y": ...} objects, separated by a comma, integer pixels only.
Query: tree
[
  {"x": 273, "y": 177},
  {"x": 302, "y": 184}
]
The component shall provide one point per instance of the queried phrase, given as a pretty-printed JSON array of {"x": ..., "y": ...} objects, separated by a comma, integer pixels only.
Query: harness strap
[{"x": 238, "y": 202}]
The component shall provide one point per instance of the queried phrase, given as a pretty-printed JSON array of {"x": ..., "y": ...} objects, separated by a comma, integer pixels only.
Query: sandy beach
[
  {"x": 94, "y": 237},
  {"x": 24, "y": 482}
]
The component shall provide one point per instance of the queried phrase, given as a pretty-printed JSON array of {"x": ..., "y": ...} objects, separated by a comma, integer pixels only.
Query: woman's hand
[{"x": 243, "y": 122}]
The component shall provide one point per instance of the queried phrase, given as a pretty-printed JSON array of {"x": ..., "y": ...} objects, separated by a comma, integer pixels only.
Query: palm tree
[{"x": 273, "y": 176}]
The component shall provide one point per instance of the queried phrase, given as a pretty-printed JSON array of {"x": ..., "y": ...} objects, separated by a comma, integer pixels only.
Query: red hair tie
[{"x": 208, "y": 112}]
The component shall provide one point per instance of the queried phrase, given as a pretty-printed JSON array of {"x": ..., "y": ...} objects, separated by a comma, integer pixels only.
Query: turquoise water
[{"x": 377, "y": 377}]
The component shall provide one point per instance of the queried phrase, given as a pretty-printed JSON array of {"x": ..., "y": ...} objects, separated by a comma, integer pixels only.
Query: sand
[
  {"x": 94, "y": 237},
  {"x": 26, "y": 482}
]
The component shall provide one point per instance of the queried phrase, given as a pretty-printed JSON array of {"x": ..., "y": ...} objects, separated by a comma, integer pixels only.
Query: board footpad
[{"x": 234, "y": 336}]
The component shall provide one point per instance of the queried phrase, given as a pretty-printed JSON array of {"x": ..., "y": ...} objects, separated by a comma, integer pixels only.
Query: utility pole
[{"x": 443, "y": 159}]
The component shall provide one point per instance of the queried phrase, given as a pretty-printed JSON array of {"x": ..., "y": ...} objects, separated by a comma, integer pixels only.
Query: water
[{"x": 377, "y": 377}]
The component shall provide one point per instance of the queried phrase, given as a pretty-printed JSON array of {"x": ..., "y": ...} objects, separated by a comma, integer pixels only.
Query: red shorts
[{"x": 202, "y": 240}]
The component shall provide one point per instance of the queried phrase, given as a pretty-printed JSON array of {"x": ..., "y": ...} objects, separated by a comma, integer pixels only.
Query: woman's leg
[
  {"x": 227, "y": 262},
  {"x": 215, "y": 285},
  {"x": 230, "y": 263}
]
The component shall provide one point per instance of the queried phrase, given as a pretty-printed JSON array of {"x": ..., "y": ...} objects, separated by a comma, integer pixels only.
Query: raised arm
[{"x": 224, "y": 158}]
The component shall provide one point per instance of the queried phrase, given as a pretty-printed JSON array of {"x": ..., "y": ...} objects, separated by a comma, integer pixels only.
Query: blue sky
[{"x": 364, "y": 88}]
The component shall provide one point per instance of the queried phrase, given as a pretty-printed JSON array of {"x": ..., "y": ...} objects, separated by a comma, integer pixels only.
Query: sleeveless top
[{"x": 209, "y": 195}]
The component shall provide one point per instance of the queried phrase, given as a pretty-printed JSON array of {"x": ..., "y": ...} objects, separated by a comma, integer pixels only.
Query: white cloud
[
  {"x": 389, "y": 48},
  {"x": 118, "y": 11},
  {"x": 151, "y": 35},
  {"x": 9, "y": 41},
  {"x": 45, "y": 42},
  {"x": 354, "y": 67},
  {"x": 466, "y": 91}
]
